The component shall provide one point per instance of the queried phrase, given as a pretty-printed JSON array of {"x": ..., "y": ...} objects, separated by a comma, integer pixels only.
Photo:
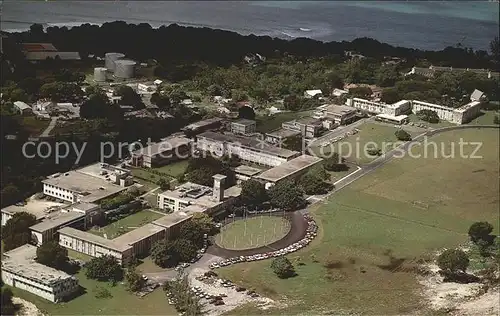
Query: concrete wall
[
  {"x": 54, "y": 293},
  {"x": 59, "y": 193},
  {"x": 92, "y": 249}
]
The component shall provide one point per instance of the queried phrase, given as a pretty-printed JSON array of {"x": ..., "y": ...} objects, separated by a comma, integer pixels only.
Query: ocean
[{"x": 418, "y": 24}]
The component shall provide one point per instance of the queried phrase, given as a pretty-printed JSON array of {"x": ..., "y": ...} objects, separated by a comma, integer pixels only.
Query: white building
[
  {"x": 20, "y": 270},
  {"x": 248, "y": 149},
  {"x": 396, "y": 109},
  {"x": 313, "y": 93},
  {"x": 459, "y": 115},
  {"x": 22, "y": 108}
]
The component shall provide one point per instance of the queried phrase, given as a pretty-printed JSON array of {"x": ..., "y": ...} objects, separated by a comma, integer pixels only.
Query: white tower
[{"x": 218, "y": 191}]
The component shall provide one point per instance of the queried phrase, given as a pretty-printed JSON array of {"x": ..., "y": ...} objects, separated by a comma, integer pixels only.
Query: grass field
[
  {"x": 33, "y": 125},
  {"x": 122, "y": 302},
  {"x": 174, "y": 169},
  {"x": 353, "y": 147},
  {"x": 374, "y": 231},
  {"x": 126, "y": 224},
  {"x": 252, "y": 232},
  {"x": 485, "y": 119}
]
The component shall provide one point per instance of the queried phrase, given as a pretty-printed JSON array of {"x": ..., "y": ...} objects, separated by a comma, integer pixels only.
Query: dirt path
[{"x": 26, "y": 308}]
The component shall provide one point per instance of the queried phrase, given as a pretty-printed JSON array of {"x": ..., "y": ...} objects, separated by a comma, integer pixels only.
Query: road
[
  {"x": 339, "y": 131},
  {"x": 52, "y": 124}
]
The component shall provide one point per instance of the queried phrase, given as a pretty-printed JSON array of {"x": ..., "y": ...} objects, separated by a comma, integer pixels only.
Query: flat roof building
[
  {"x": 20, "y": 270},
  {"x": 243, "y": 127},
  {"x": 204, "y": 125},
  {"x": 39, "y": 208},
  {"x": 47, "y": 229},
  {"x": 246, "y": 148},
  {"x": 307, "y": 126},
  {"x": 288, "y": 170},
  {"x": 142, "y": 238},
  {"x": 157, "y": 154}
]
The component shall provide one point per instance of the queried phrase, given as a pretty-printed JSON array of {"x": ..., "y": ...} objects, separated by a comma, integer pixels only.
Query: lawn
[
  {"x": 266, "y": 123},
  {"x": 353, "y": 147},
  {"x": 126, "y": 224},
  {"x": 33, "y": 125},
  {"x": 252, "y": 232},
  {"x": 373, "y": 233},
  {"x": 174, "y": 169},
  {"x": 486, "y": 118},
  {"x": 122, "y": 302},
  {"x": 413, "y": 118}
]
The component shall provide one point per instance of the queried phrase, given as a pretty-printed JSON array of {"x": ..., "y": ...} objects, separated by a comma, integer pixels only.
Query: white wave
[
  {"x": 71, "y": 24},
  {"x": 287, "y": 34},
  {"x": 304, "y": 29}
]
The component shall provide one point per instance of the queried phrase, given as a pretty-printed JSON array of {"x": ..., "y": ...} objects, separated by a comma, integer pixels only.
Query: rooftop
[
  {"x": 305, "y": 120},
  {"x": 247, "y": 170},
  {"x": 468, "y": 106},
  {"x": 289, "y": 168},
  {"x": 56, "y": 220},
  {"x": 196, "y": 194},
  {"x": 175, "y": 218},
  {"x": 102, "y": 170},
  {"x": 98, "y": 240},
  {"x": 84, "y": 207},
  {"x": 165, "y": 145},
  {"x": 282, "y": 132},
  {"x": 339, "y": 109},
  {"x": 255, "y": 144},
  {"x": 21, "y": 105},
  {"x": 39, "y": 208},
  {"x": 45, "y": 54},
  {"x": 204, "y": 123},
  {"x": 21, "y": 261},
  {"x": 92, "y": 188},
  {"x": 138, "y": 234},
  {"x": 391, "y": 117},
  {"x": 244, "y": 122}
]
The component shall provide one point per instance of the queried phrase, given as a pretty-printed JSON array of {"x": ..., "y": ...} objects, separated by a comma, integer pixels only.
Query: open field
[
  {"x": 374, "y": 232},
  {"x": 33, "y": 125},
  {"x": 174, "y": 169},
  {"x": 252, "y": 232},
  {"x": 413, "y": 118},
  {"x": 485, "y": 119},
  {"x": 126, "y": 224},
  {"x": 353, "y": 147},
  {"x": 122, "y": 302}
]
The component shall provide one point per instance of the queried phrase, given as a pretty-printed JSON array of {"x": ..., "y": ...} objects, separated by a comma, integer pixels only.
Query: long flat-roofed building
[
  {"x": 174, "y": 221},
  {"x": 460, "y": 115},
  {"x": 395, "y": 109},
  {"x": 279, "y": 136},
  {"x": 245, "y": 148},
  {"x": 20, "y": 270},
  {"x": 204, "y": 125},
  {"x": 142, "y": 238},
  {"x": 88, "y": 184},
  {"x": 38, "y": 208},
  {"x": 161, "y": 153},
  {"x": 289, "y": 170},
  {"x": 47, "y": 229},
  {"x": 308, "y": 126},
  {"x": 335, "y": 114},
  {"x": 243, "y": 127},
  {"x": 93, "y": 245}
]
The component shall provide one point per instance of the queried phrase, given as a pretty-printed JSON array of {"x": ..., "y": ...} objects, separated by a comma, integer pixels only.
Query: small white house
[
  {"x": 22, "y": 108},
  {"x": 339, "y": 92},
  {"x": 157, "y": 82},
  {"x": 313, "y": 93}
]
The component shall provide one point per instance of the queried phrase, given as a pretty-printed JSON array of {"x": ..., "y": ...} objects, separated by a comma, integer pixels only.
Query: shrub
[
  {"x": 453, "y": 261},
  {"x": 283, "y": 267},
  {"x": 403, "y": 135}
]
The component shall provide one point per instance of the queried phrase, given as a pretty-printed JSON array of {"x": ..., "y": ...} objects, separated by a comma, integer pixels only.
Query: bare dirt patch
[{"x": 26, "y": 308}]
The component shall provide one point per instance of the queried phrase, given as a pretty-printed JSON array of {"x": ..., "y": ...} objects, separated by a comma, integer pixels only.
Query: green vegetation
[
  {"x": 453, "y": 261},
  {"x": 52, "y": 254},
  {"x": 428, "y": 116},
  {"x": 402, "y": 135},
  {"x": 269, "y": 123},
  {"x": 16, "y": 231},
  {"x": 126, "y": 224},
  {"x": 120, "y": 301},
  {"x": 252, "y": 232},
  {"x": 373, "y": 233},
  {"x": 104, "y": 268},
  {"x": 180, "y": 293},
  {"x": 282, "y": 267},
  {"x": 174, "y": 169}
]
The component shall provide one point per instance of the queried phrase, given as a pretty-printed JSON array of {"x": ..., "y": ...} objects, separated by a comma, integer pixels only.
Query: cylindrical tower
[
  {"x": 110, "y": 59},
  {"x": 124, "y": 68},
  {"x": 100, "y": 74}
]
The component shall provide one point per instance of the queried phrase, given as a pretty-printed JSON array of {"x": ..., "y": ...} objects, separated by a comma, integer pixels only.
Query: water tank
[
  {"x": 110, "y": 58},
  {"x": 100, "y": 74},
  {"x": 124, "y": 68}
]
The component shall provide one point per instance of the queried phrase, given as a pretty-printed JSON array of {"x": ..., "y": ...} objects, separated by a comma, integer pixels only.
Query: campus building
[
  {"x": 333, "y": 115},
  {"x": 20, "y": 270},
  {"x": 210, "y": 124},
  {"x": 245, "y": 148},
  {"x": 243, "y": 127},
  {"x": 396, "y": 109},
  {"x": 309, "y": 127},
  {"x": 278, "y": 137},
  {"x": 161, "y": 153},
  {"x": 290, "y": 170},
  {"x": 88, "y": 184},
  {"x": 188, "y": 194},
  {"x": 459, "y": 115},
  {"x": 432, "y": 70}
]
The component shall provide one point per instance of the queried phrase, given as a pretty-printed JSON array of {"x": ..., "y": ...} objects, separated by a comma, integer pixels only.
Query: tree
[
  {"x": 52, "y": 254},
  {"x": 253, "y": 193},
  {"x": 294, "y": 143},
  {"x": 373, "y": 151},
  {"x": 214, "y": 90},
  {"x": 361, "y": 92},
  {"x": 387, "y": 76},
  {"x": 205, "y": 223},
  {"x": 163, "y": 254},
  {"x": 129, "y": 97},
  {"x": 134, "y": 280},
  {"x": 480, "y": 231},
  {"x": 61, "y": 91},
  {"x": 495, "y": 49},
  {"x": 287, "y": 195},
  {"x": 390, "y": 95},
  {"x": 180, "y": 292},
  {"x": 312, "y": 184},
  {"x": 201, "y": 171},
  {"x": 246, "y": 112},
  {"x": 283, "y": 268},
  {"x": 402, "y": 135},
  {"x": 104, "y": 268},
  {"x": 163, "y": 183},
  {"x": 428, "y": 116},
  {"x": 191, "y": 231},
  {"x": 161, "y": 100},
  {"x": 186, "y": 249},
  {"x": 453, "y": 261},
  {"x": 8, "y": 307},
  {"x": 292, "y": 103},
  {"x": 16, "y": 231},
  {"x": 335, "y": 163},
  {"x": 238, "y": 95}
]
